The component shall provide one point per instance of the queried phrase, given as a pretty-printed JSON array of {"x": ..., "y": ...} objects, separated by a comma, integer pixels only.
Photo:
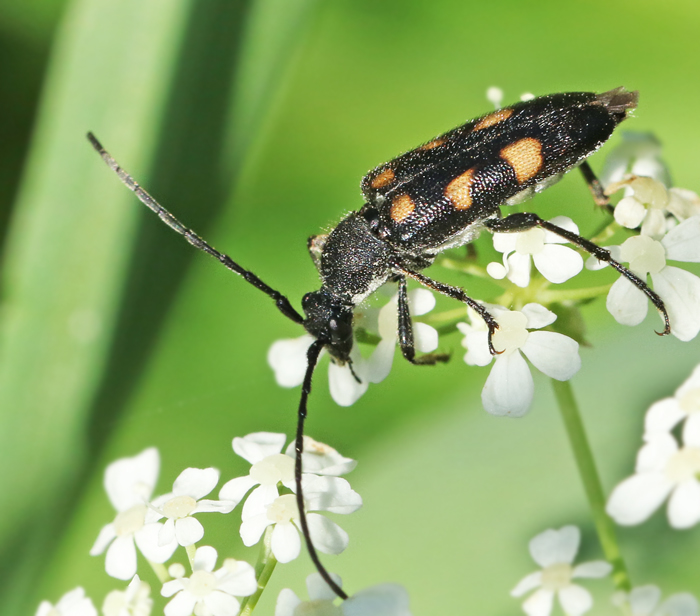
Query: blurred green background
[{"x": 253, "y": 121}]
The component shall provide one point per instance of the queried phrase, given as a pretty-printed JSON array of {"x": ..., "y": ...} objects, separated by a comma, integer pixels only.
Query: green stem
[
  {"x": 191, "y": 549},
  {"x": 263, "y": 571},
  {"x": 161, "y": 571},
  {"x": 591, "y": 482}
]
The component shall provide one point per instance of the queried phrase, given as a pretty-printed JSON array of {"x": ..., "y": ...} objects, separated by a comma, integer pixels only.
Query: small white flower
[
  {"x": 555, "y": 262},
  {"x": 134, "y": 601},
  {"x": 73, "y": 603},
  {"x": 644, "y": 601},
  {"x": 494, "y": 95},
  {"x": 288, "y": 360},
  {"x": 662, "y": 469},
  {"x": 129, "y": 483},
  {"x": 380, "y": 600},
  {"x": 509, "y": 388},
  {"x": 638, "y": 154},
  {"x": 207, "y": 592},
  {"x": 663, "y": 415},
  {"x": 644, "y": 205},
  {"x": 679, "y": 289},
  {"x": 183, "y": 502},
  {"x": 554, "y": 551},
  {"x": 321, "y": 493},
  {"x": 271, "y": 468}
]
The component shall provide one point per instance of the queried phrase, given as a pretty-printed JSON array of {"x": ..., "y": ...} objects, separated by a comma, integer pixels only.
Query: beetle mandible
[{"x": 440, "y": 195}]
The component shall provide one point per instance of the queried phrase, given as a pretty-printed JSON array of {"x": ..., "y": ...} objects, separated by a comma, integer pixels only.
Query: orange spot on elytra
[
  {"x": 435, "y": 143},
  {"x": 493, "y": 118},
  {"x": 458, "y": 191},
  {"x": 525, "y": 156},
  {"x": 385, "y": 178},
  {"x": 401, "y": 208}
]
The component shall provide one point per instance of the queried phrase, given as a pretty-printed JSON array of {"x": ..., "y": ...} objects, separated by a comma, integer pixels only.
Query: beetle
[{"x": 438, "y": 196}]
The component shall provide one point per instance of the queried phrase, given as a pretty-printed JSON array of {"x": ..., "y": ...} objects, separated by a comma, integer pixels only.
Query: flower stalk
[
  {"x": 263, "y": 571},
  {"x": 591, "y": 482}
]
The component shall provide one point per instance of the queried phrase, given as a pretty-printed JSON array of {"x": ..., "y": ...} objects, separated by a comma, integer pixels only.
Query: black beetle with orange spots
[{"x": 440, "y": 195}]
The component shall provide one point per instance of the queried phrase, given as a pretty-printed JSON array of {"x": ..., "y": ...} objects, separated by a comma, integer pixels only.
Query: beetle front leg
[
  {"x": 525, "y": 221},
  {"x": 596, "y": 188},
  {"x": 406, "y": 341}
]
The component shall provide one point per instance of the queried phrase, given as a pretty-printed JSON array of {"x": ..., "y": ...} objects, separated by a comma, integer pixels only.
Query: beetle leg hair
[
  {"x": 455, "y": 293},
  {"x": 282, "y": 303},
  {"x": 406, "y": 333},
  {"x": 523, "y": 221}
]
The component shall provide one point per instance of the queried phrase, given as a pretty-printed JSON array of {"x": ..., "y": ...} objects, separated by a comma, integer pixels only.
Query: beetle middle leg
[
  {"x": 406, "y": 341},
  {"x": 455, "y": 293},
  {"x": 596, "y": 188},
  {"x": 523, "y": 221}
]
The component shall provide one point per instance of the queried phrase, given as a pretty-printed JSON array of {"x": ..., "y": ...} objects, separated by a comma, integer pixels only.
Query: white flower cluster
[
  {"x": 665, "y": 469},
  {"x": 271, "y": 502}
]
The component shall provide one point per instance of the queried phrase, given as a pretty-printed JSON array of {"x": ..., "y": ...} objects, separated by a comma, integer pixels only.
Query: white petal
[
  {"x": 539, "y": 603},
  {"x": 593, "y": 569},
  {"x": 563, "y": 222},
  {"x": 322, "y": 459},
  {"x": 420, "y": 301},
  {"x": 691, "y": 430},
  {"x": 380, "y": 362},
  {"x": 258, "y": 445},
  {"x": 555, "y": 546},
  {"x": 317, "y": 587},
  {"x": 327, "y": 536},
  {"x": 644, "y": 599},
  {"x": 287, "y": 358},
  {"x": 285, "y": 543},
  {"x": 75, "y": 603},
  {"x": 221, "y": 603},
  {"x": 558, "y": 263},
  {"x": 680, "y": 604},
  {"x": 147, "y": 541},
  {"x": 345, "y": 389},
  {"x": 538, "y": 316},
  {"x": 196, "y": 482},
  {"x": 575, "y": 600},
  {"x": 529, "y": 582},
  {"x": 182, "y": 604},
  {"x": 381, "y": 600},
  {"x": 682, "y": 243},
  {"x": 654, "y": 224},
  {"x": 680, "y": 291},
  {"x": 332, "y": 494},
  {"x": 656, "y": 453},
  {"x": 237, "y": 578},
  {"x": 120, "y": 562},
  {"x": 519, "y": 269},
  {"x": 626, "y": 303},
  {"x": 496, "y": 270},
  {"x": 258, "y": 501},
  {"x": 662, "y": 416},
  {"x": 553, "y": 354},
  {"x": 252, "y": 529},
  {"x": 205, "y": 558},
  {"x": 287, "y": 602},
  {"x": 637, "y": 497},
  {"x": 684, "y": 505},
  {"x": 629, "y": 212},
  {"x": 170, "y": 588},
  {"x": 107, "y": 533},
  {"x": 477, "y": 345},
  {"x": 130, "y": 481},
  {"x": 509, "y": 388},
  {"x": 236, "y": 489},
  {"x": 166, "y": 534},
  {"x": 425, "y": 337},
  {"x": 504, "y": 242},
  {"x": 188, "y": 531}
]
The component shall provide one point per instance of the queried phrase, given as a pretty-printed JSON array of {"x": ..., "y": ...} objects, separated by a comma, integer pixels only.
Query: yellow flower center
[
  {"x": 179, "y": 507},
  {"x": 283, "y": 509},
  {"x": 129, "y": 521},
  {"x": 511, "y": 333},
  {"x": 556, "y": 577},
  {"x": 273, "y": 469}
]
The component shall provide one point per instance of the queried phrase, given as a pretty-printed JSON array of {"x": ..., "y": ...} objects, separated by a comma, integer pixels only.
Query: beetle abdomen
[{"x": 431, "y": 194}]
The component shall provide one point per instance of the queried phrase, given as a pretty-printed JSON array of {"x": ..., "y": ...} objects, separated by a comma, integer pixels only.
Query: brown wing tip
[{"x": 618, "y": 101}]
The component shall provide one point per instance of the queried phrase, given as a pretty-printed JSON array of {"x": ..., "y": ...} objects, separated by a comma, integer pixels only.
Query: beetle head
[{"x": 329, "y": 319}]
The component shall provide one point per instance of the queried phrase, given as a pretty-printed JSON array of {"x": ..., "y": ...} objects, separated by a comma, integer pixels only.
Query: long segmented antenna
[
  {"x": 312, "y": 357},
  {"x": 282, "y": 303}
]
